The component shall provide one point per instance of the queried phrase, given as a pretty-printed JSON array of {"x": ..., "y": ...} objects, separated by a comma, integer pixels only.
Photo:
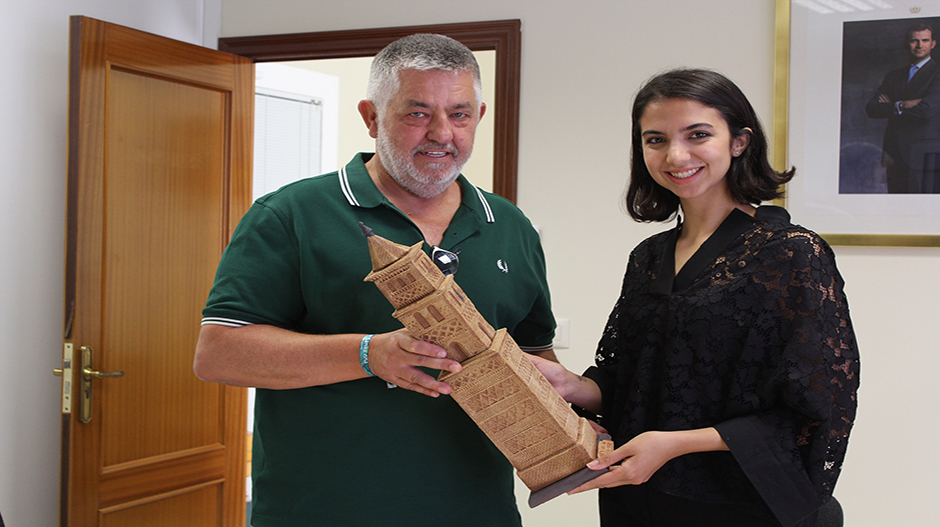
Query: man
[
  {"x": 909, "y": 98},
  {"x": 290, "y": 314}
]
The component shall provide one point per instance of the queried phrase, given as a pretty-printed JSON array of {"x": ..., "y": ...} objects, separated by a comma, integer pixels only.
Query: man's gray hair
[{"x": 419, "y": 52}]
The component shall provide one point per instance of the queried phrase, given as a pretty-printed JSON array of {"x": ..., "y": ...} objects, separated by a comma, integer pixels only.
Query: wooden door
[{"x": 159, "y": 174}]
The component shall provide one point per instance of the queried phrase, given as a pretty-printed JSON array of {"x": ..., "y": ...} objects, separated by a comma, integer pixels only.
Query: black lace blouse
[{"x": 752, "y": 337}]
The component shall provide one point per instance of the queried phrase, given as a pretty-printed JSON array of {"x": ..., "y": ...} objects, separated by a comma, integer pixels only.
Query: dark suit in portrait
[{"x": 911, "y": 150}]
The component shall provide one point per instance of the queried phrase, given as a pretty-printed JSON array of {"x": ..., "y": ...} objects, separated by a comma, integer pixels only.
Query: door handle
[{"x": 88, "y": 373}]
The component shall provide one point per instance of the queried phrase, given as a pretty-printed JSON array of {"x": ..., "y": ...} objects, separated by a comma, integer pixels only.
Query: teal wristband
[{"x": 364, "y": 354}]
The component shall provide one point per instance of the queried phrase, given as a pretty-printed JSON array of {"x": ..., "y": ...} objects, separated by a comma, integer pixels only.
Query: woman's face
[{"x": 687, "y": 148}]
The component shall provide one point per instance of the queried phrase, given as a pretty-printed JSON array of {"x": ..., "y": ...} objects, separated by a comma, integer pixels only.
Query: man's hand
[
  {"x": 397, "y": 358},
  {"x": 884, "y": 98},
  {"x": 910, "y": 103}
]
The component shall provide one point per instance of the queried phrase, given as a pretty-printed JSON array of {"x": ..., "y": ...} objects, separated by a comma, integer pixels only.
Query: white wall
[
  {"x": 581, "y": 63},
  {"x": 33, "y": 129}
]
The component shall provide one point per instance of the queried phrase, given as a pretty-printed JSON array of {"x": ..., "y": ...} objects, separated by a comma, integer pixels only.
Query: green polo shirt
[{"x": 361, "y": 453}]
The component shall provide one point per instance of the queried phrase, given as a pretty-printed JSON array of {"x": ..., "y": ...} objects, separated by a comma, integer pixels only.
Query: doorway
[
  {"x": 503, "y": 37},
  {"x": 352, "y": 75}
]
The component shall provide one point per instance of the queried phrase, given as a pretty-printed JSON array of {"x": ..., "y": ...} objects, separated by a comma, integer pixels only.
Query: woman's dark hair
[{"x": 750, "y": 178}]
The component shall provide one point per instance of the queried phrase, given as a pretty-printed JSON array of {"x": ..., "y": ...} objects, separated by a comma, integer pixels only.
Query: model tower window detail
[{"x": 498, "y": 387}]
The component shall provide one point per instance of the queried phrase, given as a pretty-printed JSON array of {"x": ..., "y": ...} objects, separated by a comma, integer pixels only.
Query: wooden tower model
[{"x": 498, "y": 387}]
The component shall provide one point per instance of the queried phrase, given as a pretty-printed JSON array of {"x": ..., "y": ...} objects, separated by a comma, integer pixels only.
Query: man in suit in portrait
[{"x": 909, "y": 98}]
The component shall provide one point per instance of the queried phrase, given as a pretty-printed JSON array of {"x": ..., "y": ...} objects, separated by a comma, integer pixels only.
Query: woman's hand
[
  {"x": 641, "y": 458},
  {"x": 646, "y": 453},
  {"x": 556, "y": 374},
  {"x": 575, "y": 389}
]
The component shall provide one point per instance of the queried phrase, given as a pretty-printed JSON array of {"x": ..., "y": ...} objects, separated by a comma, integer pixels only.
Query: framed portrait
[{"x": 862, "y": 132}]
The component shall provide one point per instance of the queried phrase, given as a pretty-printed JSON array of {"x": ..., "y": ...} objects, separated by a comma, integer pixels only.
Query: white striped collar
[
  {"x": 351, "y": 198},
  {"x": 486, "y": 205},
  {"x": 347, "y": 190}
]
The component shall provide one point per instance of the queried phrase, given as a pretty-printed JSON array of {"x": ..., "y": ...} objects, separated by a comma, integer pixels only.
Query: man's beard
[{"x": 401, "y": 167}]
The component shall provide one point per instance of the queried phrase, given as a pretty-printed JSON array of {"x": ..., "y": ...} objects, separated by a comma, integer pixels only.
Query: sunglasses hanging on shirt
[{"x": 446, "y": 261}]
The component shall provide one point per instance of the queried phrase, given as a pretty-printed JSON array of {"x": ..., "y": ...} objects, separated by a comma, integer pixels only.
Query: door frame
[{"x": 502, "y": 36}]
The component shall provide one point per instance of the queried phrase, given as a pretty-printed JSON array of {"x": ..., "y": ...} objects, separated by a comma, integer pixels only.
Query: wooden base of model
[{"x": 498, "y": 387}]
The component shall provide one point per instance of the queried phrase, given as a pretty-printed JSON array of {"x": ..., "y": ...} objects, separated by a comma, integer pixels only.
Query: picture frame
[{"x": 830, "y": 57}]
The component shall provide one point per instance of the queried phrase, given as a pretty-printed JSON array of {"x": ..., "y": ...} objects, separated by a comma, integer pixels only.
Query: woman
[{"x": 728, "y": 370}]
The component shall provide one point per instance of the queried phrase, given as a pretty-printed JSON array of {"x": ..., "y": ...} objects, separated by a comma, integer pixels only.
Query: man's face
[
  {"x": 921, "y": 43},
  {"x": 425, "y": 135}
]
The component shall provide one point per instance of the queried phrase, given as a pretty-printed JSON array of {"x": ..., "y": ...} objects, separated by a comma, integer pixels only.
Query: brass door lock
[{"x": 85, "y": 385}]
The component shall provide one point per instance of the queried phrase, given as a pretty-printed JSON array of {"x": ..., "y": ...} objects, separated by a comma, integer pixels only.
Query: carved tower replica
[{"x": 498, "y": 387}]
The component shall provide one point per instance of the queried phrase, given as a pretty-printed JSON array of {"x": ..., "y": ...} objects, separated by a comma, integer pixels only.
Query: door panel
[
  {"x": 162, "y": 201},
  {"x": 191, "y": 507},
  {"x": 159, "y": 174}
]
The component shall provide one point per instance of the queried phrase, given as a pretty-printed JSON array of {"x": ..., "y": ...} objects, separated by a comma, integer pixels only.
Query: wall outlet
[{"x": 562, "y": 333}]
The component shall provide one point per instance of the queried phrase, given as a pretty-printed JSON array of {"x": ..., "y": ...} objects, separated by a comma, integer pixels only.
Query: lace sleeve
[
  {"x": 822, "y": 357},
  {"x": 611, "y": 346},
  {"x": 817, "y": 387}
]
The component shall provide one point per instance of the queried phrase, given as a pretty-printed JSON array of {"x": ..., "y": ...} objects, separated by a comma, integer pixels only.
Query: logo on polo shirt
[{"x": 503, "y": 266}]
